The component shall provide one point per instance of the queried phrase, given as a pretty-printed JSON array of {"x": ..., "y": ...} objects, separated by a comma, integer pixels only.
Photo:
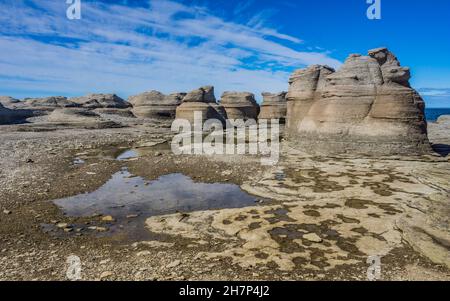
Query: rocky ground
[{"x": 316, "y": 218}]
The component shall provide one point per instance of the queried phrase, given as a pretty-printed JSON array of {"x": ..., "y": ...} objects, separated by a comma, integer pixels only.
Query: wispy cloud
[
  {"x": 166, "y": 46},
  {"x": 443, "y": 92}
]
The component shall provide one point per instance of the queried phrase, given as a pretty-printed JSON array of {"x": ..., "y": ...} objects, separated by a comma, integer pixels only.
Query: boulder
[
  {"x": 274, "y": 106},
  {"x": 365, "y": 107},
  {"x": 240, "y": 105},
  {"x": 201, "y": 100},
  {"x": 443, "y": 119},
  {"x": 154, "y": 104},
  {"x": 96, "y": 101}
]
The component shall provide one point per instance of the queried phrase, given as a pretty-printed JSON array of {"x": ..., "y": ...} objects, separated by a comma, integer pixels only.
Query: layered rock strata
[
  {"x": 274, "y": 106},
  {"x": 240, "y": 105},
  {"x": 367, "y": 106},
  {"x": 154, "y": 104},
  {"x": 203, "y": 101}
]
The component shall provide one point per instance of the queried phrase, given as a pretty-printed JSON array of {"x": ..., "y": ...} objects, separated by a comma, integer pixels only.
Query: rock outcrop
[
  {"x": 10, "y": 102},
  {"x": 365, "y": 107},
  {"x": 70, "y": 115},
  {"x": 13, "y": 115},
  {"x": 240, "y": 105},
  {"x": 49, "y": 103},
  {"x": 96, "y": 101},
  {"x": 79, "y": 117},
  {"x": 274, "y": 106},
  {"x": 154, "y": 104},
  {"x": 201, "y": 100}
]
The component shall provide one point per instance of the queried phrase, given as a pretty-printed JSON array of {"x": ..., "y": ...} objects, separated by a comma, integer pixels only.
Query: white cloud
[{"x": 114, "y": 48}]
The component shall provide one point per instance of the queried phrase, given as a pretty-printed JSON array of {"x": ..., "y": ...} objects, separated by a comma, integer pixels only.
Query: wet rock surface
[{"x": 315, "y": 218}]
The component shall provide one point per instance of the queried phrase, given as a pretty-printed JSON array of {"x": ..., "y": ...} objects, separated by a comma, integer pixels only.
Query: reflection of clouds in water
[{"x": 124, "y": 194}]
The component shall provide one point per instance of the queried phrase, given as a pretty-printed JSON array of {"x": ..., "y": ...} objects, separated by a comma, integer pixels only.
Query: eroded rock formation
[
  {"x": 96, "y": 101},
  {"x": 10, "y": 102},
  {"x": 274, "y": 106},
  {"x": 13, "y": 115},
  {"x": 367, "y": 107},
  {"x": 240, "y": 105},
  {"x": 79, "y": 117},
  {"x": 154, "y": 104},
  {"x": 49, "y": 103},
  {"x": 200, "y": 100}
]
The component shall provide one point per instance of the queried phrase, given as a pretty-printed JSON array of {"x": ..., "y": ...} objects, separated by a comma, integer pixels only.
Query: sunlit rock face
[
  {"x": 273, "y": 106},
  {"x": 203, "y": 101},
  {"x": 240, "y": 105},
  {"x": 155, "y": 104},
  {"x": 367, "y": 106}
]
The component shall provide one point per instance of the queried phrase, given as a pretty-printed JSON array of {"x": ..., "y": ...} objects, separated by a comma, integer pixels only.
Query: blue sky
[{"x": 127, "y": 47}]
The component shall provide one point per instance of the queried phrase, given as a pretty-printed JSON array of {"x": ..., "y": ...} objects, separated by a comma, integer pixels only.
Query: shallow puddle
[
  {"x": 125, "y": 194},
  {"x": 128, "y": 154}
]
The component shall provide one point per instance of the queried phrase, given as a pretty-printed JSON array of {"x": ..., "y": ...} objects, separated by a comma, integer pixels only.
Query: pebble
[
  {"x": 106, "y": 274},
  {"x": 108, "y": 218},
  {"x": 313, "y": 237},
  {"x": 173, "y": 264},
  {"x": 62, "y": 225},
  {"x": 7, "y": 211}
]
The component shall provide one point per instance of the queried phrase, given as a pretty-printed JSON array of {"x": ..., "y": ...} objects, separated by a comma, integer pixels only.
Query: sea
[{"x": 433, "y": 113}]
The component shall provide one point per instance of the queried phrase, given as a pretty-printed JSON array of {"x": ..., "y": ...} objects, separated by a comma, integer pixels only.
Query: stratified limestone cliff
[{"x": 368, "y": 106}]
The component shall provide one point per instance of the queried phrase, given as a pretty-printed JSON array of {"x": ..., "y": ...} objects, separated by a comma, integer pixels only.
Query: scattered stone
[
  {"x": 313, "y": 237},
  {"x": 62, "y": 225},
  {"x": 106, "y": 274},
  {"x": 108, "y": 218},
  {"x": 7, "y": 212},
  {"x": 173, "y": 264},
  {"x": 101, "y": 229}
]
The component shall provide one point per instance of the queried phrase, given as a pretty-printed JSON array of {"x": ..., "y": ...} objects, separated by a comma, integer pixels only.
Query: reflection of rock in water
[{"x": 125, "y": 194}]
